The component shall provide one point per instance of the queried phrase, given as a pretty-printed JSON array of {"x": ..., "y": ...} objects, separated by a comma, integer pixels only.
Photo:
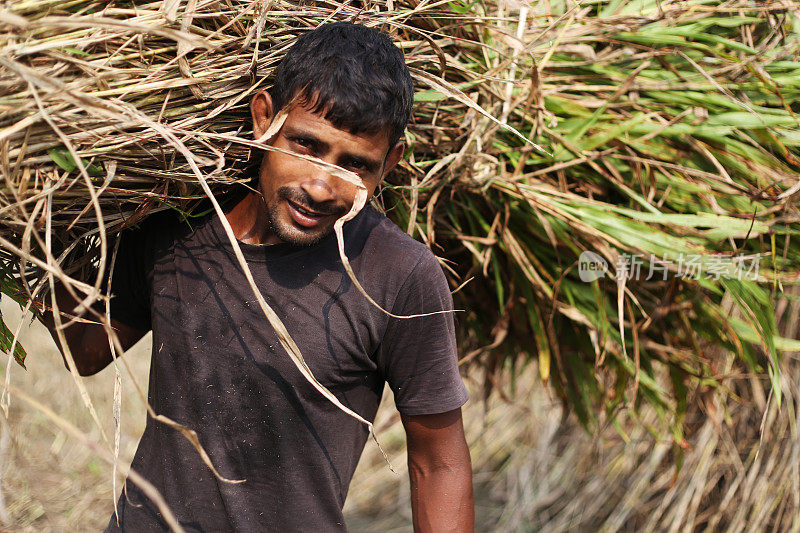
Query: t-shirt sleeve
[
  {"x": 418, "y": 356},
  {"x": 130, "y": 281}
]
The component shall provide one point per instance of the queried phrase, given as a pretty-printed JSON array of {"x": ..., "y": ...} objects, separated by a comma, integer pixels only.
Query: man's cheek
[
  {"x": 346, "y": 191},
  {"x": 293, "y": 170}
]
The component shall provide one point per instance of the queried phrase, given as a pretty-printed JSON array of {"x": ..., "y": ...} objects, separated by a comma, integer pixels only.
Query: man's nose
[{"x": 319, "y": 185}]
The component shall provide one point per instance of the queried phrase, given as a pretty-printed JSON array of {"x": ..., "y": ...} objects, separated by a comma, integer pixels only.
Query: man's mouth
[{"x": 304, "y": 216}]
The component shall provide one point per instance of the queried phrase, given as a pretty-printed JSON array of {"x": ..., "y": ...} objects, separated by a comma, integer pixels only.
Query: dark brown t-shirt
[{"x": 218, "y": 368}]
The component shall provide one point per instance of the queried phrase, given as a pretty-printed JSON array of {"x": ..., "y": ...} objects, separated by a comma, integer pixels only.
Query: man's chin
[
  {"x": 290, "y": 232},
  {"x": 300, "y": 237}
]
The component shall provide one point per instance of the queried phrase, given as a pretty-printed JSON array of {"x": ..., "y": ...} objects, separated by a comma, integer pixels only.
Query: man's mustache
[{"x": 303, "y": 199}]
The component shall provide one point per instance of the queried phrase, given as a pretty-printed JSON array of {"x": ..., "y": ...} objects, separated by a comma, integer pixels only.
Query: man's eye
[
  {"x": 357, "y": 165},
  {"x": 305, "y": 143}
]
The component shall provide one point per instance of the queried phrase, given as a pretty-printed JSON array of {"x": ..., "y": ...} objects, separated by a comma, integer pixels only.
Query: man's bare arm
[
  {"x": 87, "y": 341},
  {"x": 440, "y": 470}
]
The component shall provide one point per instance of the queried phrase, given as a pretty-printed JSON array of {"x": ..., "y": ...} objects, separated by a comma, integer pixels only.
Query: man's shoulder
[
  {"x": 159, "y": 231},
  {"x": 390, "y": 245},
  {"x": 158, "y": 222},
  {"x": 395, "y": 261}
]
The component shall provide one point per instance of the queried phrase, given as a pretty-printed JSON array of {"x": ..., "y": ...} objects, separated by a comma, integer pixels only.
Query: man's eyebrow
[
  {"x": 370, "y": 164},
  {"x": 305, "y": 134}
]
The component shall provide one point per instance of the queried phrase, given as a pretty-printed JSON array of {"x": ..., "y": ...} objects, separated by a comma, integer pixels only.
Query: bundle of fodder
[
  {"x": 659, "y": 136},
  {"x": 739, "y": 467}
]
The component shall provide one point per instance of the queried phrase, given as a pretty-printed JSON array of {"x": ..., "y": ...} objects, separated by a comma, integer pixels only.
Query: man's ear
[
  {"x": 393, "y": 157},
  {"x": 261, "y": 112}
]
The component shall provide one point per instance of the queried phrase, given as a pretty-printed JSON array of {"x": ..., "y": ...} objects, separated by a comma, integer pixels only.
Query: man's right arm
[{"x": 86, "y": 339}]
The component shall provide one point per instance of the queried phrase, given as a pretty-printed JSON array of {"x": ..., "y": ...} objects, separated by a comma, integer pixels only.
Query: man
[{"x": 217, "y": 366}]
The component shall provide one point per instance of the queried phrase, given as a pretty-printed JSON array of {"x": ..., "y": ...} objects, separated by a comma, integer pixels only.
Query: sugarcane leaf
[
  {"x": 433, "y": 95},
  {"x": 62, "y": 158},
  {"x": 760, "y": 314},
  {"x": 76, "y": 51},
  {"x": 6, "y": 340}
]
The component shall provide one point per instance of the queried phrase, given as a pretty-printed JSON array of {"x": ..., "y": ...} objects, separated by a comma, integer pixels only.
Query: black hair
[{"x": 354, "y": 75}]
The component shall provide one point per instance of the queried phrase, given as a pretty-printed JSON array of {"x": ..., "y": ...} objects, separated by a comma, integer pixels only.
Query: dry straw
[{"x": 661, "y": 129}]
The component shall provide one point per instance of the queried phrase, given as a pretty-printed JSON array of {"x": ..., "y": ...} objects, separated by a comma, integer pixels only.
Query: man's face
[{"x": 302, "y": 200}]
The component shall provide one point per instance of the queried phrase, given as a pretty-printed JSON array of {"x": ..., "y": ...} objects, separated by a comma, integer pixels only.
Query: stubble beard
[{"x": 285, "y": 230}]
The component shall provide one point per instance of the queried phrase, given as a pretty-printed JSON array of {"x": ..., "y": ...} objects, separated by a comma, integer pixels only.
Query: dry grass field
[{"x": 49, "y": 480}]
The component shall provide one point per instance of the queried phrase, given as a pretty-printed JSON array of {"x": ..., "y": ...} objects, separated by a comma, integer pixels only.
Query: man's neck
[{"x": 249, "y": 221}]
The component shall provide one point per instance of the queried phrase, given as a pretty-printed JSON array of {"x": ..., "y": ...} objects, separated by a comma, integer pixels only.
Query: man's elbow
[
  {"x": 87, "y": 363},
  {"x": 90, "y": 370},
  {"x": 453, "y": 467}
]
